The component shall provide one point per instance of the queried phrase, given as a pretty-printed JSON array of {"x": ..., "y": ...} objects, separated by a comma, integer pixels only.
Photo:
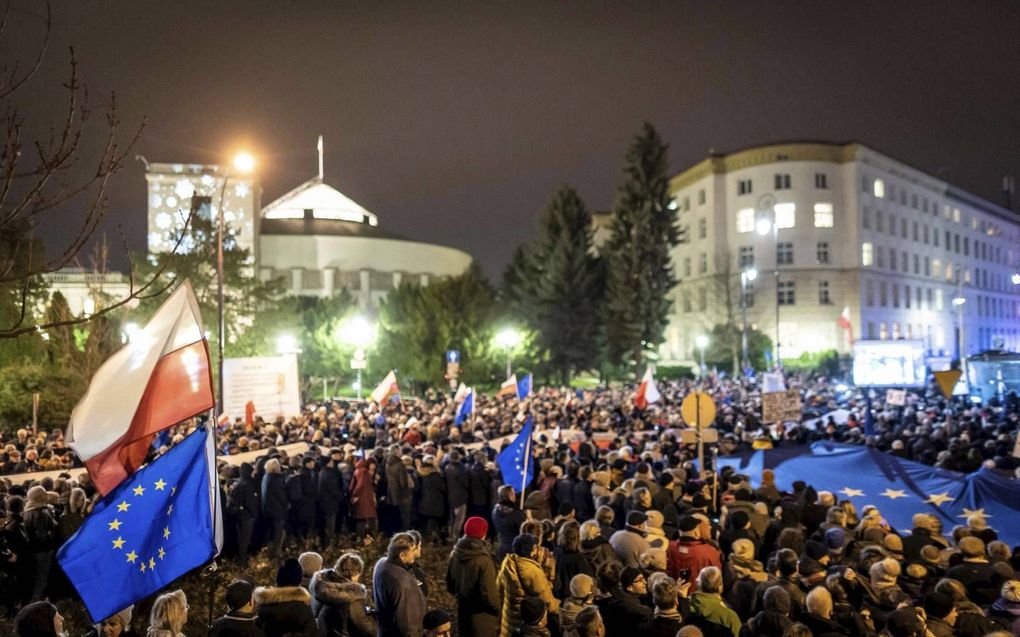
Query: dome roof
[{"x": 316, "y": 200}]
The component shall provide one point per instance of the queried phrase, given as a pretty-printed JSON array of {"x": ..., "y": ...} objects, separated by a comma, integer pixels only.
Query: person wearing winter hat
[
  {"x": 116, "y": 625},
  {"x": 1005, "y": 612},
  {"x": 893, "y": 545},
  {"x": 240, "y": 618},
  {"x": 286, "y": 607},
  {"x": 311, "y": 563},
  {"x": 975, "y": 573},
  {"x": 654, "y": 533},
  {"x": 921, "y": 536},
  {"x": 39, "y": 619},
  {"x": 629, "y": 543},
  {"x": 690, "y": 553},
  {"x": 743, "y": 574},
  {"x": 774, "y": 618},
  {"x": 476, "y": 527},
  {"x": 471, "y": 578},
  {"x": 437, "y": 623},
  {"x": 533, "y": 618},
  {"x": 904, "y": 622},
  {"x": 582, "y": 593},
  {"x": 940, "y": 614},
  {"x": 888, "y": 593}
]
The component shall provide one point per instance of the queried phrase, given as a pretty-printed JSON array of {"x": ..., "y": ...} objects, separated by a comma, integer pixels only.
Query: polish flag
[
  {"x": 647, "y": 392},
  {"x": 509, "y": 386},
  {"x": 157, "y": 380},
  {"x": 385, "y": 389},
  {"x": 844, "y": 323}
]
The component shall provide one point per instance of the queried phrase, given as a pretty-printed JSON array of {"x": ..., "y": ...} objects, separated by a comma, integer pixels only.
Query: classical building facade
[{"x": 835, "y": 229}]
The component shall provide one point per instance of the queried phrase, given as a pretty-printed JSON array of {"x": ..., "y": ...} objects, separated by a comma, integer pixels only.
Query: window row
[
  {"x": 784, "y": 216},
  {"x": 781, "y": 181},
  {"x": 786, "y": 294},
  {"x": 921, "y": 232}
]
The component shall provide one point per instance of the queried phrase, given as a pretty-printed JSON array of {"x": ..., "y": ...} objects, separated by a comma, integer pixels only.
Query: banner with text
[{"x": 270, "y": 382}]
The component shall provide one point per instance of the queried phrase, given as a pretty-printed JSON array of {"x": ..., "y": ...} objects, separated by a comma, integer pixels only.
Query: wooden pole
[{"x": 35, "y": 413}]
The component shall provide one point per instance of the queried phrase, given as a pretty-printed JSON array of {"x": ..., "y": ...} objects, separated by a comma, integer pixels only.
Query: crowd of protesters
[{"x": 617, "y": 532}]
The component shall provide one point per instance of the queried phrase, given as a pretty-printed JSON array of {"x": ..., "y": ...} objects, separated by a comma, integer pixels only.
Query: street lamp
[
  {"x": 702, "y": 342},
  {"x": 244, "y": 162},
  {"x": 359, "y": 332},
  {"x": 508, "y": 339},
  {"x": 746, "y": 277},
  {"x": 1015, "y": 278},
  {"x": 287, "y": 344}
]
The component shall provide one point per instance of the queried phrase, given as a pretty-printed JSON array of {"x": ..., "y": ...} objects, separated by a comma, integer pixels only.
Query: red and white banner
[
  {"x": 386, "y": 389},
  {"x": 509, "y": 386},
  {"x": 647, "y": 392},
  {"x": 157, "y": 380}
]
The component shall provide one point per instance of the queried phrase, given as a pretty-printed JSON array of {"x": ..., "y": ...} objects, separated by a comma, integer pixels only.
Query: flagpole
[{"x": 524, "y": 474}]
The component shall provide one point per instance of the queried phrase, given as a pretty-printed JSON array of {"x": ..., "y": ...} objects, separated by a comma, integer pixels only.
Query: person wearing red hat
[{"x": 471, "y": 578}]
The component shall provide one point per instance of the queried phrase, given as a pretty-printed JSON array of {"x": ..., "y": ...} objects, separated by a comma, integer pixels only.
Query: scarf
[{"x": 747, "y": 568}]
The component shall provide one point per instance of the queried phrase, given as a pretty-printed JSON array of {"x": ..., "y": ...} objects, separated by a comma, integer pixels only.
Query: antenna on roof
[{"x": 320, "y": 157}]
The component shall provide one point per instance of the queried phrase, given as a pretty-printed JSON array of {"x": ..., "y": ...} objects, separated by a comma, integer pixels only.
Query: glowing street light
[
  {"x": 508, "y": 339},
  {"x": 1015, "y": 278},
  {"x": 287, "y": 344},
  {"x": 244, "y": 162},
  {"x": 702, "y": 342},
  {"x": 359, "y": 332},
  {"x": 131, "y": 332},
  {"x": 763, "y": 226}
]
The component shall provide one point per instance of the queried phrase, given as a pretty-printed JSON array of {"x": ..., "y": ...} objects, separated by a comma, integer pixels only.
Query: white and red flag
[
  {"x": 154, "y": 382},
  {"x": 647, "y": 392},
  {"x": 509, "y": 387},
  {"x": 844, "y": 323},
  {"x": 386, "y": 389}
]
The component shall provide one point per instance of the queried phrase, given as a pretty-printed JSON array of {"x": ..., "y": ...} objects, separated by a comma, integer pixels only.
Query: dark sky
[{"x": 456, "y": 122}]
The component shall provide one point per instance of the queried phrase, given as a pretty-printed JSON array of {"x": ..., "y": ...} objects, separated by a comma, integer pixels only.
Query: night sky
[{"x": 456, "y": 122}]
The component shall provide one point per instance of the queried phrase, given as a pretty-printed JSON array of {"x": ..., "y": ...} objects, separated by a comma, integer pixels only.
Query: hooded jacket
[
  {"x": 339, "y": 606},
  {"x": 471, "y": 578},
  {"x": 285, "y": 610},
  {"x": 767, "y": 623},
  {"x": 519, "y": 577}
]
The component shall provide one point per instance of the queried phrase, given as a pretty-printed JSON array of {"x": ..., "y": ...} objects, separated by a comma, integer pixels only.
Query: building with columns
[{"x": 832, "y": 228}]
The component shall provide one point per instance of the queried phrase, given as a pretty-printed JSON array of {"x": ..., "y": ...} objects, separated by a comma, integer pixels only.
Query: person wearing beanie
[
  {"x": 774, "y": 618},
  {"x": 883, "y": 575},
  {"x": 339, "y": 599},
  {"x": 311, "y": 563},
  {"x": 39, "y": 619},
  {"x": 940, "y": 614},
  {"x": 690, "y": 553},
  {"x": 629, "y": 542},
  {"x": 905, "y": 622},
  {"x": 533, "y": 618},
  {"x": 922, "y": 535},
  {"x": 240, "y": 619},
  {"x": 975, "y": 573},
  {"x": 519, "y": 576},
  {"x": 738, "y": 526},
  {"x": 978, "y": 525},
  {"x": 893, "y": 545},
  {"x": 741, "y": 577},
  {"x": 810, "y": 572},
  {"x": 1005, "y": 612},
  {"x": 437, "y": 623},
  {"x": 471, "y": 579},
  {"x": 655, "y": 535},
  {"x": 835, "y": 544},
  {"x": 40, "y": 529},
  {"x": 582, "y": 593},
  {"x": 286, "y": 607}
]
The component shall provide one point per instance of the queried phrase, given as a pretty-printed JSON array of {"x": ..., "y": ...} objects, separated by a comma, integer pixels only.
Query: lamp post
[
  {"x": 764, "y": 226},
  {"x": 702, "y": 342},
  {"x": 508, "y": 339},
  {"x": 358, "y": 332},
  {"x": 958, "y": 302},
  {"x": 244, "y": 163},
  {"x": 746, "y": 277}
]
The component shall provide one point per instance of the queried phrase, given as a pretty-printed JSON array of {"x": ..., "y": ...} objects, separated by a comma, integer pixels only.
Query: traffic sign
[
  {"x": 947, "y": 380},
  {"x": 698, "y": 410}
]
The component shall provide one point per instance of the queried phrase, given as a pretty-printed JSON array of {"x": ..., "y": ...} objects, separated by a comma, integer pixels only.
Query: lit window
[
  {"x": 867, "y": 254},
  {"x": 785, "y": 215},
  {"x": 938, "y": 299},
  {"x": 745, "y": 220},
  {"x": 823, "y": 215},
  {"x": 879, "y": 188}
]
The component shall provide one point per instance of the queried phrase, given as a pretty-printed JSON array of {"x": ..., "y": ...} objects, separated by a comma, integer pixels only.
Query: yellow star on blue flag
[{"x": 138, "y": 540}]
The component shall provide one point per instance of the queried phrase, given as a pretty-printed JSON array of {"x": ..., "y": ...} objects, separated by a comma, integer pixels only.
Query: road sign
[
  {"x": 698, "y": 409},
  {"x": 780, "y": 406},
  {"x": 358, "y": 363},
  {"x": 690, "y": 436},
  {"x": 947, "y": 380}
]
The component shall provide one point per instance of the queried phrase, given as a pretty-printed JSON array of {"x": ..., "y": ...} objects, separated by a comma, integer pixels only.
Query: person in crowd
[
  {"x": 311, "y": 563},
  {"x": 399, "y": 486},
  {"x": 437, "y": 623},
  {"x": 520, "y": 576},
  {"x": 587, "y": 623},
  {"x": 507, "y": 518},
  {"x": 458, "y": 493},
  {"x": 534, "y": 614},
  {"x": 970, "y": 618},
  {"x": 690, "y": 553},
  {"x": 168, "y": 615},
  {"x": 399, "y": 603},
  {"x": 39, "y": 619},
  {"x": 628, "y": 607},
  {"x": 240, "y": 619},
  {"x": 667, "y": 620},
  {"x": 40, "y": 527},
  {"x": 629, "y": 542},
  {"x": 741, "y": 578},
  {"x": 582, "y": 594},
  {"x": 432, "y": 497},
  {"x": 708, "y": 610},
  {"x": 243, "y": 505},
  {"x": 975, "y": 572},
  {"x": 331, "y": 495},
  {"x": 340, "y": 600},
  {"x": 72, "y": 517},
  {"x": 285, "y": 609},
  {"x": 363, "y": 500},
  {"x": 1005, "y": 611},
  {"x": 116, "y": 625},
  {"x": 471, "y": 579},
  {"x": 774, "y": 618},
  {"x": 275, "y": 505},
  {"x": 569, "y": 559}
]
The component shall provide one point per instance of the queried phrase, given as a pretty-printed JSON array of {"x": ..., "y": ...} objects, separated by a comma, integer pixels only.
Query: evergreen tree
[
  {"x": 642, "y": 235},
  {"x": 567, "y": 286}
]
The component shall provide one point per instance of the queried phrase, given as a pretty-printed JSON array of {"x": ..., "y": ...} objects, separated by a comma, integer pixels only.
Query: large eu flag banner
[
  {"x": 157, "y": 525},
  {"x": 515, "y": 463},
  {"x": 899, "y": 488}
]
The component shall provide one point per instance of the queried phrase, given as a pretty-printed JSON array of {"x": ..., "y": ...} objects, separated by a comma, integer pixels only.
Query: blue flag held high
[
  {"x": 160, "y": 523},
  {"x": 515, "y": 460},
  {"x": 899, "y": 488},
  {"x": 524, "y": 387},
  {"x": 466, "y": 408}
]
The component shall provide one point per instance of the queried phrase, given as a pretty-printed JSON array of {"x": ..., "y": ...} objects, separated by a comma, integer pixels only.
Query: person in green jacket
[{"x": 707, "y": 603}]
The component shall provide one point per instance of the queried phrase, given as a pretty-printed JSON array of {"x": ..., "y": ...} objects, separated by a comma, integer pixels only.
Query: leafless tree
[{"x": 41, "y": 174}]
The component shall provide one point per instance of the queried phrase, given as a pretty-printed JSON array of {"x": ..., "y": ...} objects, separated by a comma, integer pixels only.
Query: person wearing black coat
[
  {"x": 339, "y": 599},
  {"x": 285, "y": 609},
  {"x": 431, "y": 497},
  {"x": 458, "y": 493},
  {"x": 302, "y": 490},
  {"x": 479, "y": 479},
  {"x": 240, "y": 620},
  {"x": 569, "y": 559},
  {"x": 584, "y": 504},
  {"x": 274, "y": 503},
  {"x": 40, "y": 526},
  {"x": 507, "y": 519},
  {"x": 471, "y": 578},
  {"x": 331, "y": 495},
  {"x": 243, "y": 503}
]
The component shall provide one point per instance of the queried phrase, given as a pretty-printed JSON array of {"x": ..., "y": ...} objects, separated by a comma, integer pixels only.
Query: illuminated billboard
[{"x": 889, "y": 363}]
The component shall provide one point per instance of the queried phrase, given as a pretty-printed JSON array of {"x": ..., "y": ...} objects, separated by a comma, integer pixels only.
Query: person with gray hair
[
  {"x": 666, "y": 620},
  {"x": 708, "y": 610},
  {"x": 116, "y": 625}
]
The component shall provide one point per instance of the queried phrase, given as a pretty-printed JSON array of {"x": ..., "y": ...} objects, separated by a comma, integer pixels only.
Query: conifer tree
[{"x": 643, "y": 233}]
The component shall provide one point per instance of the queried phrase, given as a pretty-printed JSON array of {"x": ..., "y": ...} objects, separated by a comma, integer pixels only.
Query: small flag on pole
[
  {"x": 524, "y": 387},
  {"x": 647, "y": 392},
  {"x": 514, "y": 461},
  {"x": 466, "y": 409},
  {"x": 509, "y": 386},
  {"x": 386, "y": 389}
]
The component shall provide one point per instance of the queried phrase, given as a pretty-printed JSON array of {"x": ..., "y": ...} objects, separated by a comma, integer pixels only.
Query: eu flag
[
  {"x": 524, "y": 387},
  {"x": 157, "y": 525},
  {"x": 466, "y": 408},
  {"x": 515, "y": 461}
]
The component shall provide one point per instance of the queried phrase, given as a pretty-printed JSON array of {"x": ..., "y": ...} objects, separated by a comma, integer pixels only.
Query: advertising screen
[{"x": 889, "y": 363}]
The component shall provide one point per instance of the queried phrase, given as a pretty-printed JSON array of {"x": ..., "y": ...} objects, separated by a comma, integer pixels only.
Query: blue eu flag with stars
[
  {"x": 514, "y": 461},
  {"x": 466, "y": 408},
  {"x": 157, "y": 525}
]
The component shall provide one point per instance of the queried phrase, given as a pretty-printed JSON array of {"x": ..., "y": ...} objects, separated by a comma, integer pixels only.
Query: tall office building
[{"x": 833, "y": 228}]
